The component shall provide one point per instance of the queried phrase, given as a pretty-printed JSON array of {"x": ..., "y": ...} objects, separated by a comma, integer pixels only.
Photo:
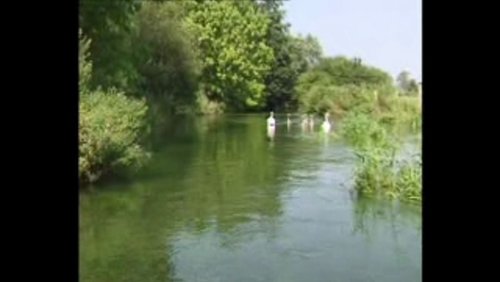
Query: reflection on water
[
  {"x": 271, "y": 131},
  {"x": 217, "y": 203}
]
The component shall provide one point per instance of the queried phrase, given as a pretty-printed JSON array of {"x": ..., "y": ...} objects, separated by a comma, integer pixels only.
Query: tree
[
  {"x": 109, "y": 25},
  {"x": 407, "y": 84},
  {"x": 306, "y": 52},
  {"x": 231, "y": 37},
  {"x": 413, "y": 87},
  {"x": 339, "y": 85},
  {"x": 281, "y": 78},
  {"x": 167, "y": 61},
  {"x": 343, "y": 71},
  {"x": 403, "y": 80}
]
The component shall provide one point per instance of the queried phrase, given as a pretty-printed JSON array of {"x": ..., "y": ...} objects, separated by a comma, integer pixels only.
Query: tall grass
[{"x": 378, "y": 170}]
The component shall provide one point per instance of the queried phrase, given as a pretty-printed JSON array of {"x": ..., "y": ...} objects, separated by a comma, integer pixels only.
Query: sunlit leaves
[{"x": 235, "y": 58}]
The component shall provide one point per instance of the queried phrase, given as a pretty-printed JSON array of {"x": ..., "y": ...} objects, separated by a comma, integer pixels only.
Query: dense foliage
[
  {"x": 110, "y": 127},
  {"x": 142, "y": 61},
  {"x": 234, "y": 55},
  {"x": 340, "y": 85}
]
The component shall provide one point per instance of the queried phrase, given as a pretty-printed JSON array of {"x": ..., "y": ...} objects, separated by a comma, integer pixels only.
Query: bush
[
  {"x": 400, "y": 110},
  {"x": 340, "y": 100},
  {"x": 110, "y": 127},
  {"x": 364, "y": 132},
  {"x": 409, "y": 180},
  {"x": 318, "y": 92},
  {"x": 378, "y": 171},
  {"x": 207, "y": 106},
  {"x": 375, "y": 173}
]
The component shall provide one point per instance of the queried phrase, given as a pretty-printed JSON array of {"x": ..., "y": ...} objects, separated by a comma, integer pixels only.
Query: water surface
[{"x": 220, "y": 201}]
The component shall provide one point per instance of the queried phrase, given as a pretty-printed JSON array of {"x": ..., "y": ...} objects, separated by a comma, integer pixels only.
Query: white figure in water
[
  {"x": 270, "y": 133},
  {"x": 271, "y": 122},
  {"x": 326, "y": 126},
  {"x": 288, "y": 121},
  {"x": 271, "y": 126}
]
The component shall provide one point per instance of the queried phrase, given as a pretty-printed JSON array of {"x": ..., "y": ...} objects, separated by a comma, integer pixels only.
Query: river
[{"x": 220, "y": 201}]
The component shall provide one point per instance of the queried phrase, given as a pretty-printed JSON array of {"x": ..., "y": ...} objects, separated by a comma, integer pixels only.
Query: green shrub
[
  {"x": 377, "y": 170},
  {"x": 364, "y": 132},
  {"x": 378, "y": 173},
  {"x": 110, "y": 127},
  {"x": 409, "y": 180}
]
